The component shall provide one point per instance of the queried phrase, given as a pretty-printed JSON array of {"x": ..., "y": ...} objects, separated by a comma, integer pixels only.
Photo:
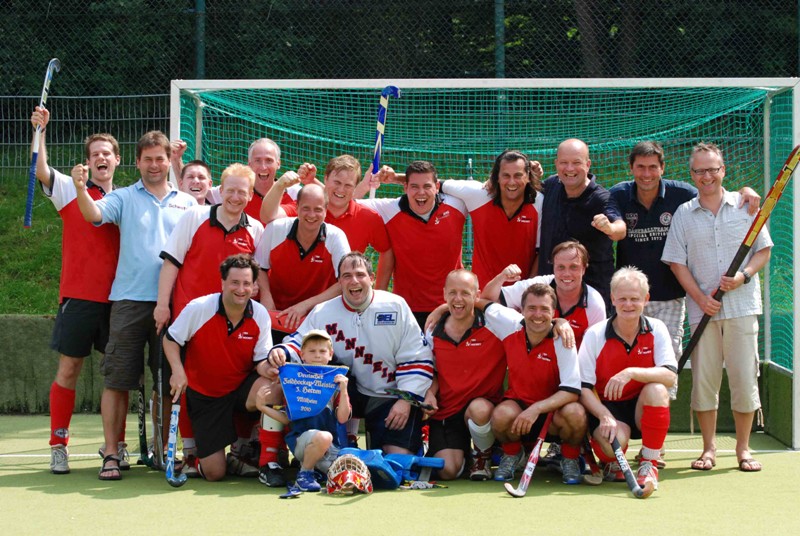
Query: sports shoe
[
  {"x": 613, "y": 473},
  {"x": 59, "y": 460},
  {"x": 647, "y": 473},
  {"x": 481, "y": 460},
  {"x": 508, "y": 465},
  {"x": 307, "y": 482},
  {"x": 570, "y": 471},
  {"x": 553, "y": 456},
  {"x": 271, "y": 475},
  {"x": 248, "y": 452},
  {"x": 239, "y": 467},
  {"x": 122, "y": 453},
  {"x": 660, "y": 463}
]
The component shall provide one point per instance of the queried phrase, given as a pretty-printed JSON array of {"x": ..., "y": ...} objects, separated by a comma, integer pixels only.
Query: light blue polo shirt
[{"x": 144, "y": 223}]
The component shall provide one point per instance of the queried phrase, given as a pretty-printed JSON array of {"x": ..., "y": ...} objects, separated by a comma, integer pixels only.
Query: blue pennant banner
[{"x": 308, "y": 388}]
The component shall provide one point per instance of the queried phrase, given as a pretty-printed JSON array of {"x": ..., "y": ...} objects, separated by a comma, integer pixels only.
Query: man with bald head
[
  {"x": 576, "y": 207},
  {"x": 298, "y": 258}
]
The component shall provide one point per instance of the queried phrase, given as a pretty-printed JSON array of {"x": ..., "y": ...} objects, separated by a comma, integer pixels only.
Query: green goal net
[{"x": 461, "y": 126}]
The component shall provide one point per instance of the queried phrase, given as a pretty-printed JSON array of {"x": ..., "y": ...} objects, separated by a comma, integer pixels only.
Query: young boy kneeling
[{"x": 314, "y": 441}]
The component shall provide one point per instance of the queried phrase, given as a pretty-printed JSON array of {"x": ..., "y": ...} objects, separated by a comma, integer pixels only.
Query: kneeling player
[
  {"x": 470, "y": 368},
  {"x": 223, "y": 336},
  {"x": 543, "y": 377},
  {"x": 627, "y": 366}
]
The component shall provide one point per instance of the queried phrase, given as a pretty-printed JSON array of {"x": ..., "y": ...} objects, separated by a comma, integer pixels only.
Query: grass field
[{"x": 721, "y": 501}]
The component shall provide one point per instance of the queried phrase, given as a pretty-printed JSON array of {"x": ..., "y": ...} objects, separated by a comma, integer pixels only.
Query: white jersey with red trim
[{"x": 383, "y": 346}]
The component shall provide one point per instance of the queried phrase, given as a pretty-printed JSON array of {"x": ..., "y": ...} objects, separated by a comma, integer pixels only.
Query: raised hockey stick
[
  {"x": 388, "y": 91},
  {"x": 53, "y": 67},
  {"x": 174, "y": 480},
  {"x": 761, "y": 218},
  {"x": 533, "y": 459},
  {"x": 409, "y": 397},
  {"x": 638, "y": 491}
]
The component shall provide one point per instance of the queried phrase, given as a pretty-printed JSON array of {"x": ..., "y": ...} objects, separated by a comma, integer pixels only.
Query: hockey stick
[
  {"x": 409, "y": 397},
  {"x": 174, "y": 480},
  {"x": 638, "y": 491},
  {"x": 145, "y": 458},
  {"x": 533, "y": 459},
  {"x": 388, "y": 91},
  {"x": 596, "y": 478},
  {"x": 53, "y": 67},
  {"x": 761, "y": 218},
  {"x": 158, "y": 420}
]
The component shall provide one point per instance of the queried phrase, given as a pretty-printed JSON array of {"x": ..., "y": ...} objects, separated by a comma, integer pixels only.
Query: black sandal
[{"x": 115, "y": 472}]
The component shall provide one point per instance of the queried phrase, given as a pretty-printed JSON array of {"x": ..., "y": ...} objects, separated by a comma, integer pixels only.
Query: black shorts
[
  {"x": 533, "y": 435},
  {"x": 80, "y": 325},
  {"x": 375, "y": 410},
  {"x": 450, "y": 433},
  {"x": 623, "y": 411},
  {"x": 212, "y": 417}
]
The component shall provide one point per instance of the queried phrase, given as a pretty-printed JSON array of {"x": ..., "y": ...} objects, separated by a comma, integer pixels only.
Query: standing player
[
  {"x": 201, "y": 240},
  {"x": 425, "y": 229},
  {"x": 543, "y": 377},
  {"x": 145, "y": 212},
  {"x": 505, "y": 214},
  {"x": 362, "y": 226},
  {"x": 376, "y": 336},
  {"x": 470, "y": 369},
  {"x": 225, "y": 337},
  {"x": 298, "y": 258},
  {"x": 702, "y": 241},
  {"x": 82, "y": 319},
  {"x": 627, "y": 365},
  {"x": 578, "y": 303},
  {"x": 577, "y": 208}
]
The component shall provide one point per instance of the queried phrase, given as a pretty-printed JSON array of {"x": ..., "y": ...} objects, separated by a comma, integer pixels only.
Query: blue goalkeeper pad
[
  {"x": 411, "y": 464},
  {"x": 385, "y": 474}
]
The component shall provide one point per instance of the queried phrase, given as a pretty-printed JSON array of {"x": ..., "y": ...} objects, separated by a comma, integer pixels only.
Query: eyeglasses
[{"x": 710, "y": 171}]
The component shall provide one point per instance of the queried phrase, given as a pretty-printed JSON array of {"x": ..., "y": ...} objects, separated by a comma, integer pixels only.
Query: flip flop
[
  {"x": 749, "y": 462},
  {"x": 115, "y": 473},
  {"x": 703, "y": 463}
]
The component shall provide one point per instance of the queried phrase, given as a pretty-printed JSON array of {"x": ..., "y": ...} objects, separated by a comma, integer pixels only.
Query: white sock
[
  {"x": 482, "y": 435},
  {"x": 650, "y": 454}
]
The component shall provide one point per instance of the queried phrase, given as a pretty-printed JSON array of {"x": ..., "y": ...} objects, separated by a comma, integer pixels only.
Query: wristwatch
[{"x": 747, "y": 276}]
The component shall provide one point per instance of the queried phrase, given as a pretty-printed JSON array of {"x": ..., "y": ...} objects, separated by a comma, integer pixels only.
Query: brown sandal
[
  {"x": 750, "y": 462},
  {"x": 703, "y": 463}
]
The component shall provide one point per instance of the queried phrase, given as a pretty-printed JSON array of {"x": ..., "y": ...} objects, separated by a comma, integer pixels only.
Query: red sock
[
  {"x": 512, "y": 448},
  {"x": 602, "y": 456},
  {"x": 184, "y": 423},
  {"x": 570, "y": 451},
  {"x": 655, "y": 423},
  {"x": 271, "y": 442},
  {"x": 62, "y": 404}
]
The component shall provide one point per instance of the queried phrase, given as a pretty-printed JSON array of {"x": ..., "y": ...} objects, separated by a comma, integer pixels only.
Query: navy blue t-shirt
[
  {"x": 565, "y": 218},
  {"x": 647, "y": 232}
]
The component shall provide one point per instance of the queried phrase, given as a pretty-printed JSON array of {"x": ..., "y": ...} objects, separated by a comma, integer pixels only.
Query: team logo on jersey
[
  {"x": 523, "y": 219},
  {"x": 386, "y": 319},
  {"x": 179, "y": 207},
  {"x": 441, "y": 216},
  {"x": 244, "y": 336},
  {"x": 239, "y": 242},
  {"x": 317, "y": 259},
  {"x": 631, "y": 219},
  {"x": 472, "y": 343},
  {"x": 544, "y": 357},
  {"x": 665, "y": 218},
  {"x": 645, "y": 350}
]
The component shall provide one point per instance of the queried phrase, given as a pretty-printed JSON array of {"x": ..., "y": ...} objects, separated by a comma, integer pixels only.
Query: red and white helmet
[{"x": 347, "y": 475}]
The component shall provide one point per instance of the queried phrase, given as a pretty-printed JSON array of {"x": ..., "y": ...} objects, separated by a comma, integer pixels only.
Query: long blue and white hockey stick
[{"x": 388, "y": 91}]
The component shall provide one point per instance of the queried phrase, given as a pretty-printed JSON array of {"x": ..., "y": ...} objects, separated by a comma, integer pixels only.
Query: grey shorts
[
  {"x": 132, "y": 327},
  {"x": 300, "y": 448}
]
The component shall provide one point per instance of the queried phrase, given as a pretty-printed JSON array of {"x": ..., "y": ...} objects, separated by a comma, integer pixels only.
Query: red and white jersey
[
  {"x": 219, "y": 355},
  {"x": 603, "y": 354},
  {"x": 198, "y": 244},
  {"x": 498, "y": 239},
  {"x": 589, "y": 310},
  {"x": 253, "y": 208},
  {"x": 535, "y": 373},
  {"x": 294, "y": 273},
  {"x": 89, "y": 253},
  {"x": 363, "y": 227},
  {"x": 425, "y": 251},
  {"x": 471, "y": 368},
  {"x": 383, "y": 346}
]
